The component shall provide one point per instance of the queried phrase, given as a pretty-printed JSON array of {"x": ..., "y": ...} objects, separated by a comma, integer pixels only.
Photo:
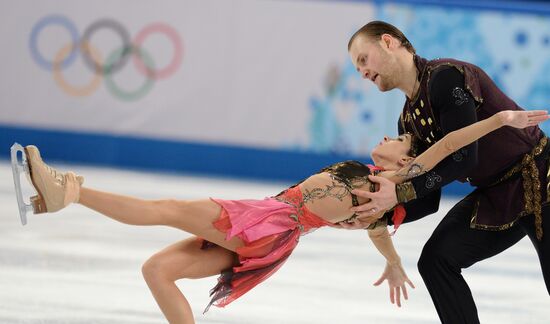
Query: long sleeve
[
  {"x": 419, "y": 208},
  {"x": 454, "y": 108}
]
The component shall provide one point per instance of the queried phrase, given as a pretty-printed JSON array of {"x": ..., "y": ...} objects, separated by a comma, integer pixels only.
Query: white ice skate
[
  {"x": 18, "y": 167},
  {"x": 55, "y": 190}
]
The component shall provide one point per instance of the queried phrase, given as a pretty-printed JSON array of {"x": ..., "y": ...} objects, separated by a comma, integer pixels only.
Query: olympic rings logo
[{"x": 114, "y": 62}]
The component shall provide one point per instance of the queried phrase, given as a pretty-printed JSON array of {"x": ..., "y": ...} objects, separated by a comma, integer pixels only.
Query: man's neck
[{"x": 410, "y": 84}]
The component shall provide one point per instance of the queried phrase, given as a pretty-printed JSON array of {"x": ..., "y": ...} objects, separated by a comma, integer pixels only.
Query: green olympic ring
[{"x": 125, "y": 94}]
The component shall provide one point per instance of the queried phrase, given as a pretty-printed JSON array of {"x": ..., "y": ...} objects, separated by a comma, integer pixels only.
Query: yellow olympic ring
[{"x": 60, "y": 79}]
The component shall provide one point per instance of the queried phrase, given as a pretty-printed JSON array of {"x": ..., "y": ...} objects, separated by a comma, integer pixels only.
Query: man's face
[{"x": 373, "y": 60}]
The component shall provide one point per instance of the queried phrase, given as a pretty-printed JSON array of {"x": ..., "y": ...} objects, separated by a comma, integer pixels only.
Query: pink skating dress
[{"x": 270, "y": 229}]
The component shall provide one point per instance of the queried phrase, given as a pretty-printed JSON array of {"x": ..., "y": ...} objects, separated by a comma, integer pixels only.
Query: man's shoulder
[
  {"x": 441, "y": 64},
  {"x": 448, "y": 69},
  {"x": 446, "y": 61}
]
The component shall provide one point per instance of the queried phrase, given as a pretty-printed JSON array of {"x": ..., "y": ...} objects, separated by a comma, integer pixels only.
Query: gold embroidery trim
[
  {"x": 405, "y": 192},
  {"x": 531, "y": 191}
]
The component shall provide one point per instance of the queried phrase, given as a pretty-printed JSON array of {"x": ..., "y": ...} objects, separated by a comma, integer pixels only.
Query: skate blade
[{"x": 18, "y": 167}]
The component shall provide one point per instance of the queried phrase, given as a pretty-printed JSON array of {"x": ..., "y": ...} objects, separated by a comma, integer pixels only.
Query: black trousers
[{"x": 454, "y": 246}]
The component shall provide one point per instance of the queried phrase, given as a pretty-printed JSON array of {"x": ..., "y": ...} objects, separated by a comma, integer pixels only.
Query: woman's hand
[
  {"x": 356, "y": 223},
  {"x": 396, "y": 277},
  {"x": 359, "y": 222},
  {"x": 522, "y": 118}
]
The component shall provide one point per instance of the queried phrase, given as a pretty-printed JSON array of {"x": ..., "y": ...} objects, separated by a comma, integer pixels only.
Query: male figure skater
[{"x": 509, "y": 167}]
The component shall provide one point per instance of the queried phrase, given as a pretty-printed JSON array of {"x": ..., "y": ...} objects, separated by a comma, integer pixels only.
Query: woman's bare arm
[
  {"x": 459, "y": 138},
  {"x": 393, "y": 272},
  {"x": 383, "y": 243}
]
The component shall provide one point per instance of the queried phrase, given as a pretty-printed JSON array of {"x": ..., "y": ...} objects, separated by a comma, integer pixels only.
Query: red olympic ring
[{"x": 178, "y": 50}]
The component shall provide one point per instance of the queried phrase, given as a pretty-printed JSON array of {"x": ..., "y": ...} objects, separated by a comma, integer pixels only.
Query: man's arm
[
  {"x": 454, "y": 108},
  {"x": 419, "y": 208},
  {"x": 456, "y": 139}
]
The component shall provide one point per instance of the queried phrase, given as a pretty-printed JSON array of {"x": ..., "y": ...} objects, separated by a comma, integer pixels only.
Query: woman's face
[{"x": 392, "y": 153}]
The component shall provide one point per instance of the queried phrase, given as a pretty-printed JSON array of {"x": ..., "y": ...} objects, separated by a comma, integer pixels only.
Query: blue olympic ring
[{"x": 33, "y": 44}]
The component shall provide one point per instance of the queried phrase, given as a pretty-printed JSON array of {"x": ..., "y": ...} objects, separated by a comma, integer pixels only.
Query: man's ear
[{"x": 387, "y": 40}]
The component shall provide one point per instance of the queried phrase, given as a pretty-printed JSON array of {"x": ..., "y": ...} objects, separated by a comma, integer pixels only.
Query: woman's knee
[
  {"x": 157, "y": 268},
  {"x": 152, "y": 269}
]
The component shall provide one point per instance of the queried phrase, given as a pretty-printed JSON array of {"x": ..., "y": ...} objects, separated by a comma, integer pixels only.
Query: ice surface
[{"x": 78, "y": 266}]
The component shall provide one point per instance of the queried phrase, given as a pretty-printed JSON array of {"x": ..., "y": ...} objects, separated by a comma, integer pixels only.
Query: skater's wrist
[{"x": 392, "y": 262}]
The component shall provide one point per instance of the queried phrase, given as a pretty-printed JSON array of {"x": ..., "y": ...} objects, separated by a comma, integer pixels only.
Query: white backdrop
[{"x": 247, "y": 73}]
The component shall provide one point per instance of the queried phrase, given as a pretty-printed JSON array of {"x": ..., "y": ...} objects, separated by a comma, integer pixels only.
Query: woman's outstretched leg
[
  {"x": 181, "y": 260},
  {"x": 193, "y": 216},
  {"x": 56, "y": 190}
]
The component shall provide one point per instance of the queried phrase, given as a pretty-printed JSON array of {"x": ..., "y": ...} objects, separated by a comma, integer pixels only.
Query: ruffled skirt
[{"x": 270, "y": 229}]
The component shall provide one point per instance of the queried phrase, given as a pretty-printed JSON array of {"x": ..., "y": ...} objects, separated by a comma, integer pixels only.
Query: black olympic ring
[{"x": 124, "y": 55}]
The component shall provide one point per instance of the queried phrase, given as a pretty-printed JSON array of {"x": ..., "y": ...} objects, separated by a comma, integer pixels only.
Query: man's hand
[
  {"x": 396, "y": 277},
  {"x": 384, "y": 199}
]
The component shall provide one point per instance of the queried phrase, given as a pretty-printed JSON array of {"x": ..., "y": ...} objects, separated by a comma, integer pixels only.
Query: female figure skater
[{"x": 248, "y": 240}]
